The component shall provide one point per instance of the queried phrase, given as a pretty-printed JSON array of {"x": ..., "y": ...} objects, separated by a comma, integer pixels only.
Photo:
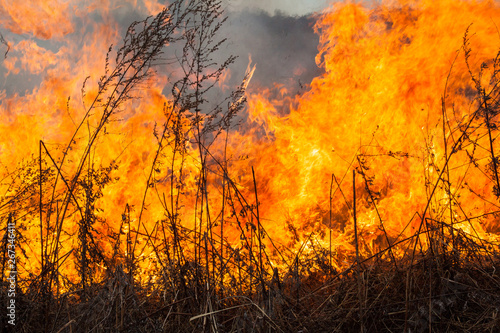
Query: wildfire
[{"x": 408, "y": 101}]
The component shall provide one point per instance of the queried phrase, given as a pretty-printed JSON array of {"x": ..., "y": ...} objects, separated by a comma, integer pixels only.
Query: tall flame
[
  {"x": 398, "y": 103},
  {"x": 395, "y": 98}
]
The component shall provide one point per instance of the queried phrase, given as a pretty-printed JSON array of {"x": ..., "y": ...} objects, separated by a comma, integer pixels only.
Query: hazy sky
[
  {"x": 277, "y": 35},
  {"x": 290, "y": 7}
]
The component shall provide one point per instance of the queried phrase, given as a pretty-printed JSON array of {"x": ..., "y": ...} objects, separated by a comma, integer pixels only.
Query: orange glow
[
  {"x": 43, "y": 19},
  {"x": 393, "y": 104}
]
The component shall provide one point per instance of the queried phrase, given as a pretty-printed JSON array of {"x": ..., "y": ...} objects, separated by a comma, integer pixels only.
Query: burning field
[{"x": 148, "y": 185}]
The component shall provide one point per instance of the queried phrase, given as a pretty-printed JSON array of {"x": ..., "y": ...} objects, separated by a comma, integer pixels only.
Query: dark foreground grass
[{"x": 445, "y": 292}]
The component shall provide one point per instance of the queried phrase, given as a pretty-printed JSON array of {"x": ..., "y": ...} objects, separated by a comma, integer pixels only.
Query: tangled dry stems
[{"x": 443, "y": 288}]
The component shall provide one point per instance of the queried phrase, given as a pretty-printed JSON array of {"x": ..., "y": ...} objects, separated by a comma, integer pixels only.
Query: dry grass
[
  {"x": 437, "y": 293},
  {"x": 201, "y": 285}
]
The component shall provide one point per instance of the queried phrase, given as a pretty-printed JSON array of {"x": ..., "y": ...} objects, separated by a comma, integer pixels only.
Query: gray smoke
[
  {"x": 288, "y": 7},
  {"x": 282, "y": 47}
]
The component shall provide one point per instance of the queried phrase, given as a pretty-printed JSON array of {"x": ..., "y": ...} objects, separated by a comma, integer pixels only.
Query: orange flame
[{"x": 396, "y": 103}]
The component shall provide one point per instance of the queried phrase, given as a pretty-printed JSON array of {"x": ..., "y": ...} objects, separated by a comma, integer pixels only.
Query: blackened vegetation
[{"x": 199, "y": 282}]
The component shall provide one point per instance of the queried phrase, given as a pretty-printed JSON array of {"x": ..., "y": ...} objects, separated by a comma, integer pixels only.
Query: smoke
[
  {"x": 288, "y": 7},
  {"x": 282, "y": 47}
]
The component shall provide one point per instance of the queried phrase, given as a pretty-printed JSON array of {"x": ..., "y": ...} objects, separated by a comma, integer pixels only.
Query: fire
[
  {"x": 51, "y": 22},
  {"x": 397, "y": 104},
  {"x": 394, "y": 76}
]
